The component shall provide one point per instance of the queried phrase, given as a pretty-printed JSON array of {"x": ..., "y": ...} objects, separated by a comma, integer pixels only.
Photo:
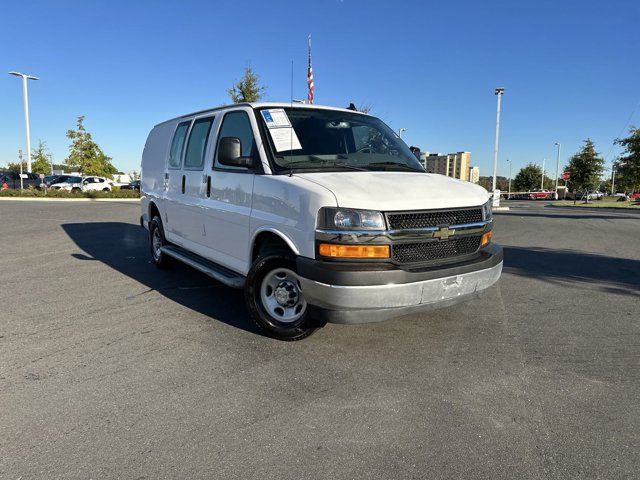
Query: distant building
[
  {"x": 454, "y": 165},
  {"x": 474, "y": 174}
]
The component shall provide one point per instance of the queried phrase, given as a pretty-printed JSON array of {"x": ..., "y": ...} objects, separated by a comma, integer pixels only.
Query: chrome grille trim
[
  {"x": 409, "y": 220},
  {"x": 397, "y": 236}
]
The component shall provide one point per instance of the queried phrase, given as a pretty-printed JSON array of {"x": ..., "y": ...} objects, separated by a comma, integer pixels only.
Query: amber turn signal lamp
[
  {"x": 486, "y": 238},
  {"x": 353, "y": 251}
]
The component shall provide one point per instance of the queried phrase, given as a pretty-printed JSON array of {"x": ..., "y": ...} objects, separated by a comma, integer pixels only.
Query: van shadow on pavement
[
  {"x": 124, "y": 247},
  {"x": 609, "y": 274}
]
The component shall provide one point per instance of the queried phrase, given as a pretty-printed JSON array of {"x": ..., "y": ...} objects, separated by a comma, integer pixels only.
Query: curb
[
  {"x": 54, "y": 200},
  {"x": 591, "y": 209}
]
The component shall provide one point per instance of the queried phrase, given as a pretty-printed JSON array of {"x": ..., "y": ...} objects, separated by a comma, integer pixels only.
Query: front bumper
[{"x": 346, "y": 295}]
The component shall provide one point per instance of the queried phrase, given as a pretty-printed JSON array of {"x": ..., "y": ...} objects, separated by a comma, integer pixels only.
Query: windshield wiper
[
  {"x": 321, "y": 163},
  {"x": 350, "y": 167},
  {"x": 395, "y": 164}
]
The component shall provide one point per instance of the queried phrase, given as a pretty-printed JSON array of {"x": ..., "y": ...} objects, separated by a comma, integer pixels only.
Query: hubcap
[
  {"x": 281, "y": 295},
  {"x": 156, "y": 243}
]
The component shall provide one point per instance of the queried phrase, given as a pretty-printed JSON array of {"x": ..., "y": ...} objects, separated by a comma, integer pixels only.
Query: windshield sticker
[
  {"x": 275, "y": 118},
  {"x": 285, "y": 139}
]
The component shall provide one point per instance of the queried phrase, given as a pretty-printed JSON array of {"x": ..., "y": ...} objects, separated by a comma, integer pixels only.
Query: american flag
[{"x": 310, "y": 76}]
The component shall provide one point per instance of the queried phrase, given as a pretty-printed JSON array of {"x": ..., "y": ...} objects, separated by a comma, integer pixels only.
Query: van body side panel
[
  {"x": 228, "y": 214},
  {"x": 154, "y": 159},
  {"x": 286, "y": 204}
]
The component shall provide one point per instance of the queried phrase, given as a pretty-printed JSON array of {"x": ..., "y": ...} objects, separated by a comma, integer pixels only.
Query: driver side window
[{"x": 237, "y": 124}]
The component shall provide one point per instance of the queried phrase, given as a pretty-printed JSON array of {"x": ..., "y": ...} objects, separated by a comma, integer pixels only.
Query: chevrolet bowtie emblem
[{"x": 443, "y": 233}]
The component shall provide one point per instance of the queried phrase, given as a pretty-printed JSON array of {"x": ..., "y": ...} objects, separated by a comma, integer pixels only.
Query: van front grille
[
  {"x": 435, "y": 250},
  {"x": 425, "y": 219}
]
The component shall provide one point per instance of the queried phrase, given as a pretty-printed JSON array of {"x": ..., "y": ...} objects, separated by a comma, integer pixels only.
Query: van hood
[{"x": 394, "y": 191}]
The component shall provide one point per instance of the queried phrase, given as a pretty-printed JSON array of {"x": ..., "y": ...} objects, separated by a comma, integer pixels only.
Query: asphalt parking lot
[{"x": 110, "y": 368}]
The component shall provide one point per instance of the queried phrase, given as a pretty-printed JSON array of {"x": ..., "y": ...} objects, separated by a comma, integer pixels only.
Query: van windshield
[{"x": 333, "y": 140}]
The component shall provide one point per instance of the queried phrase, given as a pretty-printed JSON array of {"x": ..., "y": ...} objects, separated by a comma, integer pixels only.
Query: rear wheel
[
  {"x": 274, "y": 297},
  {"x": 156, "y": 242}
]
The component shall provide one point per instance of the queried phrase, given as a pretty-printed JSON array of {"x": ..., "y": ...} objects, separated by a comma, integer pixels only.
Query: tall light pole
[
  {"x": 542, "y": 178},
  {"x": 25, "y": 97},
  {"x": 400, "y": 130},
  {"x": 557, "y": 167},
  {"x": 613, "y": 178},
  {"x": 499, "y": 92},
  {"x": 509, "y": 194}
]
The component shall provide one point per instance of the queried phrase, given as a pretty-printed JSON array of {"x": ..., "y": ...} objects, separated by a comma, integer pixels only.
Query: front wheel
[
  {"x": 274, "y": 297},
  {"x": 156, "y": 242}
]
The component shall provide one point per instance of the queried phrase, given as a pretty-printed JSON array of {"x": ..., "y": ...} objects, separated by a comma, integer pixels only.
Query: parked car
[
  {"x": 71, "y": 183},
  {"x": 541, "y": 195},
  {"x": 635, "y": 196},
  {"x": 50, "y": 179},
  {"x": 96, "y": 183},
  {"x": 135, "y": 185},
  {"x": 320, "y": 214},
  {"x": 12, "y": 179},
  {"x": 74, "y": 183},
  {"x": 595, "y": 195}
]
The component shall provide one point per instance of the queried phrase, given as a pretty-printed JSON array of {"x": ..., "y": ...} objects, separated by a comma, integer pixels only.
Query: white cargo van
[{"x": 320, "y": 214}]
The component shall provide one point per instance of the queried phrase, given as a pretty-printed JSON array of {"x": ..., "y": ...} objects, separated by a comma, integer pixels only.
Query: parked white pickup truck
[{"x": 320, "y": 214}]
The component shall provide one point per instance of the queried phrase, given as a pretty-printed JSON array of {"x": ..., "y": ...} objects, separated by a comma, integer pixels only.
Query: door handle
[
  {"x": 208, "y": 185},
  {"x": 183, "y": 183}
]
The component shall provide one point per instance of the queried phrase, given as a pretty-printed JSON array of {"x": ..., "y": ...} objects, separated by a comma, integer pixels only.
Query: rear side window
[
  {"x": 194, "y": 158},
  {"x": 237, "y": 124},
  {"x": 175, "y": 155}
]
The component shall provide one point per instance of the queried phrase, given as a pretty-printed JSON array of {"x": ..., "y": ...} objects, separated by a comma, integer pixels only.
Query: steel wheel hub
[
  {"x": 157, "y": 243},
  {"x": 282, "y": 296}
]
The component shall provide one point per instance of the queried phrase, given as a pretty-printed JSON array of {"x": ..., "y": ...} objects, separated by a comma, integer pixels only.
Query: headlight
[
  {"x": 487, "y": 210},
  {"x": 350, "y": 219}
]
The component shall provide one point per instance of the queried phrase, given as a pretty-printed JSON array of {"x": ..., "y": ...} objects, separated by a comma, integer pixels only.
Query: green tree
[
  {"x": 40, "y": 159},
  {"x": 15, "y": 167},
  {"x": 502, "y": 183},
  {"x": 529, "y": 177},
  {"x": 585, "y": 167},
  {"x": 628, "y": 175},
  {"x": 247, "y": 89},
  {"x": 85, "y": 155}
]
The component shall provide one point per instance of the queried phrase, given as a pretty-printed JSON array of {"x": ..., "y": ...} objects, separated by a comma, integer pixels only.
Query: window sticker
[
  {"x": 282, "y": 133},
  {"x": 285, "y": 139},
  {"x": 276, "y": 117}
]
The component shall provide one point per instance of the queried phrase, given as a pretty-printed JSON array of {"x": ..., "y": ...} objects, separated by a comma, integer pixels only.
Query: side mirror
[{"x": 230, "y": 153}]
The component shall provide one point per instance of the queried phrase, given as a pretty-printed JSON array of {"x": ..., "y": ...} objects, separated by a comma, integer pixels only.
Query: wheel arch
[
  {"x": 153, "y": 210},
  {"x": 268, "y": 235}
]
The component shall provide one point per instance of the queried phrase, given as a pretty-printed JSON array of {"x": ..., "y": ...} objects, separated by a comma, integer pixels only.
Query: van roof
[{"x": 261, "y": 105}]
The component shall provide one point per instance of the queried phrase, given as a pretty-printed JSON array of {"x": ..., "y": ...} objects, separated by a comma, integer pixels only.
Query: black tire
[
  {"x": 105, "y": 189},
  {"x": 159, "y": 259},
  {"x": 265, "y": 265}
]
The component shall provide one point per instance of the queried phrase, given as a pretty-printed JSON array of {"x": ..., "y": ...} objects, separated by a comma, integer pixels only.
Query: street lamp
[
  {"x": 542, "y": 177},
  {"x": 613, "y": 178},
  {"x": 557, "y": 167},
  {"x": 499, "y": 92},
  {"x": 400, "y": 130},
  {"x": 509, "y": 194},
  {"x": 25, "y": 97}
]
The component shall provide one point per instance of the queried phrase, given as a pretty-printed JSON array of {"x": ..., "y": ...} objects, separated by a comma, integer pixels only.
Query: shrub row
[{"x": 32, "y": 192}]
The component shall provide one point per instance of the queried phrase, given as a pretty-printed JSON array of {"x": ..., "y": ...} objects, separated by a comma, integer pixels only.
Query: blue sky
[{"x": 570, "y": 68}]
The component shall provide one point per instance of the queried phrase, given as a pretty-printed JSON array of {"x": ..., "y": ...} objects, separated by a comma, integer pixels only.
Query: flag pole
[{"x": 310, "y": 85}]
